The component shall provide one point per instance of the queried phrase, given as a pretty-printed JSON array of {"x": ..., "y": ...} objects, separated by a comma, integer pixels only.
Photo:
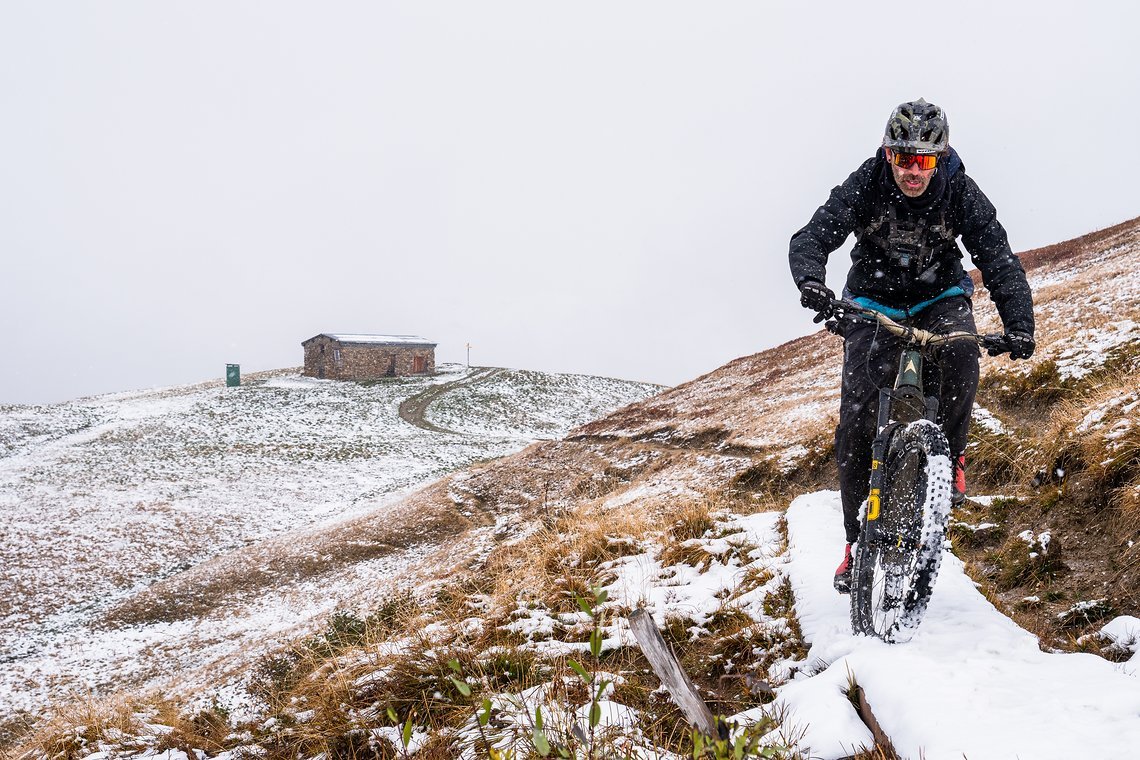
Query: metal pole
[{"x": 468, "y": 356}]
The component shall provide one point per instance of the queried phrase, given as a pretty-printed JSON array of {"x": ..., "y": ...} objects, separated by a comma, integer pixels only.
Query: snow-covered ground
[
  {"x": 971, "y": 683},
  {"x": 742, "y": 565},
  {"x": 102, "y": 497}
]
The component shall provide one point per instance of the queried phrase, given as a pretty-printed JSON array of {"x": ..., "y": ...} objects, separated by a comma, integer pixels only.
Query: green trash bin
[{"x": 233, "y": 375}]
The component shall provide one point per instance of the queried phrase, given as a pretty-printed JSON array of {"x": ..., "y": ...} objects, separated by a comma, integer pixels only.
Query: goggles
[{"x": 907, "y": 160}]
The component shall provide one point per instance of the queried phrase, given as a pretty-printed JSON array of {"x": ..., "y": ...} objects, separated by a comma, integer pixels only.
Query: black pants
[{"x": 871, "y": 361}]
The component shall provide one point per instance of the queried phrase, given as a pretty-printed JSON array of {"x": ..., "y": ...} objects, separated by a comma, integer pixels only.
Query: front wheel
[{"x": 900, "y": 543}]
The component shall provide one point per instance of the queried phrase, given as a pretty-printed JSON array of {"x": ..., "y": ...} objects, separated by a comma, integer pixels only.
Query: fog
[{"x": 596, "y": 188}]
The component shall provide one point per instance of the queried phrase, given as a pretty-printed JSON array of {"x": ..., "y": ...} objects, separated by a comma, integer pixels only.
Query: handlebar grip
[{"x": 995, "y": 345}]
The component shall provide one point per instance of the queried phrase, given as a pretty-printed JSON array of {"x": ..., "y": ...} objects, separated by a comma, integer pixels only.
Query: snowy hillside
[
  {"x": 445, "y": 622},
  {"x": 105, "y": 496}
]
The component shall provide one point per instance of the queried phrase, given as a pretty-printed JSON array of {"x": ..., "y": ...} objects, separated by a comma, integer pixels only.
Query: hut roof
[{"x": 375, "y": 340}]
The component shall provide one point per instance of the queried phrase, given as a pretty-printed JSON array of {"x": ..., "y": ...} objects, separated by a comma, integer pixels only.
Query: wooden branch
[
  {"x": 882, "y": 741},
  {"x": 668, "y": 669}
]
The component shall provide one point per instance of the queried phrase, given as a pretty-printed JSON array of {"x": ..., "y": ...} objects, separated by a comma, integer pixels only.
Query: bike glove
[
  {"x": 816, "y": 296},
  {"x": 1021, "y": 345}
]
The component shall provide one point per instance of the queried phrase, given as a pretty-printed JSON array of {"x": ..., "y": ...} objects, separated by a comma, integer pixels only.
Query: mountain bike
[{"x": 904, "y": 519}]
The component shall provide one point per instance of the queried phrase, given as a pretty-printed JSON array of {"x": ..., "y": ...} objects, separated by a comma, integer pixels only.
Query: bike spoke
[{"x": 894, "y": 572}]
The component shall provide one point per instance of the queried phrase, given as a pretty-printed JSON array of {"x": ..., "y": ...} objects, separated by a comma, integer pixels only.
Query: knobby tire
[{"x": 893, "y": 576}]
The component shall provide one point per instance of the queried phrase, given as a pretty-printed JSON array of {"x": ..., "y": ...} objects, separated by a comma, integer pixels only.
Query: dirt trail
[{"x": 414, "y": 408}]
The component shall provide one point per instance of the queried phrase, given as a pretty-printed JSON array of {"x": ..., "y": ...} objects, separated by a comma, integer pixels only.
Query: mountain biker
[{"x": 906, "y": 206}]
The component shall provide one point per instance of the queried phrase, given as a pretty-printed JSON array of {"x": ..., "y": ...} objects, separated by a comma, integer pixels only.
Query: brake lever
[{"x": 995, "y": 345}]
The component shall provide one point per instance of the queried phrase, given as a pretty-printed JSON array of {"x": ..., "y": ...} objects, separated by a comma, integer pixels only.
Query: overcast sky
[{"x": 601, "y": 188}]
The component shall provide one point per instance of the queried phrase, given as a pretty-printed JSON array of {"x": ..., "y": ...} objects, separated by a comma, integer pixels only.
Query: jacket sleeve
[
  {"x": 1002, "y": 273},
  {"x": 829, "y": 227}
]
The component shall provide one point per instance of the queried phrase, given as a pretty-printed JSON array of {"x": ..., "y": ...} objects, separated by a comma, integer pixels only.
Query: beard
[{"x": 912, "y": 184}]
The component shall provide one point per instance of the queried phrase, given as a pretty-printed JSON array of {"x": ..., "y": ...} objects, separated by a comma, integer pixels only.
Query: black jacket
[{"x": 906, "y": 250}]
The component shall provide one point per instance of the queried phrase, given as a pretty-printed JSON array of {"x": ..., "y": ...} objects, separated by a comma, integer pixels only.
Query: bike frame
[
  {"x": 906, "y": 402},
  {"x": 913, "y": 405}
]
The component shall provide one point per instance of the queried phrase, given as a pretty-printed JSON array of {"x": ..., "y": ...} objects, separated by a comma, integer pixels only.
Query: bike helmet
[{"x": 917, "y": 127}]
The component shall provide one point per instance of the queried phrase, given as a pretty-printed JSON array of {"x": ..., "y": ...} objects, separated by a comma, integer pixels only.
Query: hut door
[{"x": 417, "y": 364}]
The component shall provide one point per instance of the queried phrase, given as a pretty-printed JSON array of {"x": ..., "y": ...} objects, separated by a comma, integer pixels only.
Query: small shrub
[
  {"x": 691, "y": 553},
  {"x": 1027, "y": 558},
  {"x": 782, "y": 602},
  {"x": 1001, "y": 508},
  {"x": 206, "y": 730},
  {"x": 966, "y": 536},
  {"x": 274, "y": 676},
  {"x": 392, "y": 615},
  {"x": 1084, "y": 613},
  {"x": 422, "y": 685},
  {"x": 763, "y": 477},
  {"x": 748, "y": 743},
  {"x": 678, "y": 630},
  {"x": 993, "y": 459},
  {"x": 694, "y": 521},
  {"x": 343, "y": 631},
  {"x": 1042, "y": 385},
  {"x": 728, "y": 620}
]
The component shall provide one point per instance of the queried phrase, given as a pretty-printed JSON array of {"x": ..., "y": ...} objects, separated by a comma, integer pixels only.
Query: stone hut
[{"x": 367, "y": 357}]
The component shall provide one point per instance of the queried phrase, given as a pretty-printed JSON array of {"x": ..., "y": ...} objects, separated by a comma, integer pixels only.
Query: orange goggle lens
[{"x": 907, "y": 160}]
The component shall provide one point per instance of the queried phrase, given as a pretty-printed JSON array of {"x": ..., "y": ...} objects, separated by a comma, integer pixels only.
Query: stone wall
[{"x": 361, "y": 361}]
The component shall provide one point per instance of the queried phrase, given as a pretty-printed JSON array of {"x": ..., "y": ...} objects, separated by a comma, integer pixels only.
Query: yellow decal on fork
[
  {"x": 873, "y": 498},
  {"x": 873, "y": 505}
]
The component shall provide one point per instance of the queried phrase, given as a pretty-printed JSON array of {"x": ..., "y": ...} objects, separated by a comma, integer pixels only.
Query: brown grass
[
  {"x": 561, "y": 563},
  {"x": 722, "y": 434},
  {"x": 1083, "y": 485},
  {"x": 77, "y": 729},
  {"x": 1078, "y": 249},
  {"x": 246, "y": 573},
  {"x": 1102, "y": 465}
]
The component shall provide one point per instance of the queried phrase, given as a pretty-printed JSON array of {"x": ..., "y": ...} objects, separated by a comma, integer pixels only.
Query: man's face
[{"x": 911, "y": 180}]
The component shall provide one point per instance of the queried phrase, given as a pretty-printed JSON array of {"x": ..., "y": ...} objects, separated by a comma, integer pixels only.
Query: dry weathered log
[{"x": 668, "y": 669}]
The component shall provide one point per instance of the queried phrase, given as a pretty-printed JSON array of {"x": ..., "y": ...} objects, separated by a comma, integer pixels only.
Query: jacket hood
[{"x": 953, "y": 163}]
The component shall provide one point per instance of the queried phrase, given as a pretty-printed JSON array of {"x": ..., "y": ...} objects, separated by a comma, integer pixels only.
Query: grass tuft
[{"x": 1027, "y": 559}]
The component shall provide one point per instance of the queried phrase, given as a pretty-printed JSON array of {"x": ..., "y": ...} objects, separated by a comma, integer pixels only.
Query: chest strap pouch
[{"x": 909, "y": 243}]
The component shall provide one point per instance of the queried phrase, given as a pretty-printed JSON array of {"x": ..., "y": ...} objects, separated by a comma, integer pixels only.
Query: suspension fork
[
  {"x": 912, "y": 405},
  {"x": 878, "y": 455}
]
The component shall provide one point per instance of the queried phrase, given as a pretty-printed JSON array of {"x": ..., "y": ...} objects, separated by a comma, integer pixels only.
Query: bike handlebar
[{"x": 843, "y": 310}]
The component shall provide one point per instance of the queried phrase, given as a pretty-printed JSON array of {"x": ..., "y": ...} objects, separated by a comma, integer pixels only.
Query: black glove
[
  {"x": 816, "y": 296},
  {"x": 1021, "y": 345}
]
